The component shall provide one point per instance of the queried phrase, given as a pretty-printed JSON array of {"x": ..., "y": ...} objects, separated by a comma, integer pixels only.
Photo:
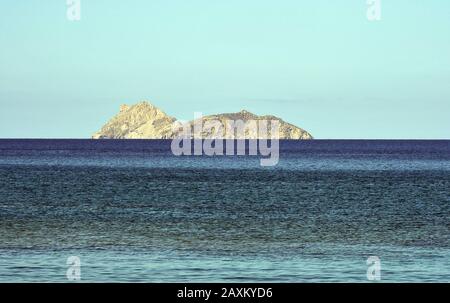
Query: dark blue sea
[{"x": 133, "y": 212}]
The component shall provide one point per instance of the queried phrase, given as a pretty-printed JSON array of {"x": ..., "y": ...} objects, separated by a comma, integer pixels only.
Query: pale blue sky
[{"x": 318, "y": 64}]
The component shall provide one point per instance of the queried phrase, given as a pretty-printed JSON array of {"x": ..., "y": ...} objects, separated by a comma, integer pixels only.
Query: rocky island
[{"x": 145, "y": 121}]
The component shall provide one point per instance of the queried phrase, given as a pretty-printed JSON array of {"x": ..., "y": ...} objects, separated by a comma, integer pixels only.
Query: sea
[{"x": 131, "y": 211}]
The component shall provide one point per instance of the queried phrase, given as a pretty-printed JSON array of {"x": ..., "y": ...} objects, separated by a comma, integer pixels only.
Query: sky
[{"x": 321, "y": 65}]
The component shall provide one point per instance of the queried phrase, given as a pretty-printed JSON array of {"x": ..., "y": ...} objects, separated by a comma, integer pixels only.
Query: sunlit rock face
[{"x": 139, "y": 121}]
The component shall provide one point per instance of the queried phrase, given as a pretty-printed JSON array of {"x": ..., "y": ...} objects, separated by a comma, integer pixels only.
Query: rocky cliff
[
  {"x": 139, "y": 121},
  {"x": 145, "y": 121}
]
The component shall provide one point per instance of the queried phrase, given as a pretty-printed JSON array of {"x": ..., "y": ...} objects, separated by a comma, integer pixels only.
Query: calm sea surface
[{"x": 131, "y": 211}]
